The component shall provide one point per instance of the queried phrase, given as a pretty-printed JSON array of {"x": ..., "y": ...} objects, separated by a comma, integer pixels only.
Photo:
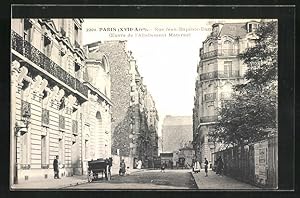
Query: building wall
[
  {"x": 176, "y": 131},
  {"x": 120, "y": 94}
]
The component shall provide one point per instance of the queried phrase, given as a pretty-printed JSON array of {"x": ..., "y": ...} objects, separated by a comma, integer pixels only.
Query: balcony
[
  {"x": 210, "y": 96},
  {"x": 220, "y": 74},
  {"x": 41, "y": 60},
  {"x": 219, "y": 52},
  {"x": 213, "y": 118}
]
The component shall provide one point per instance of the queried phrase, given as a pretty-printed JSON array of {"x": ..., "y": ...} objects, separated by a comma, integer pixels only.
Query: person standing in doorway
[
  {"x": 206, "y": 167},
  {"x": 56, "y": 167}
]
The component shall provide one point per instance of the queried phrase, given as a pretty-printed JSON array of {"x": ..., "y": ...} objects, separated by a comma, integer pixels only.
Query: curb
[
  {"x": 194, "y": 180},
  {"x": 73, "y": 184}
]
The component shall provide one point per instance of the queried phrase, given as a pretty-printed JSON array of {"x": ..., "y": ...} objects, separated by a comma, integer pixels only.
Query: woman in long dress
[
  {"x": 196, "y": 167},
  {"x": 139, "y": 164}
]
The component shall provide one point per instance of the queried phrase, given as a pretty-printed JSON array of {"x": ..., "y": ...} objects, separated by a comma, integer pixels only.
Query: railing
[
  {"x": 219, "y": 52},
  {"x": 40, "y": 59},
  {"x": 210, "y": 54},
  {"x": 209, "y": 118},
  {"x": 210, "y": 96},
  {"x": 220, "y": 74}
]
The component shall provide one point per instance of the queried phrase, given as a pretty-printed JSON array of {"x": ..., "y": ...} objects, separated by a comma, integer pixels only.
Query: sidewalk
[
  {"x": 214, "y": 181},
  {"x": 58, "y": 183},
  {"x": 51, "y": 183}
]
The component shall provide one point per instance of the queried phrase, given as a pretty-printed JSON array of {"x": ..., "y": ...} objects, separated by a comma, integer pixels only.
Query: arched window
[
  {"x": 98, "y": 115},
  {"x": 210, "y": 46},
  {"x": 227, "y": 47}
]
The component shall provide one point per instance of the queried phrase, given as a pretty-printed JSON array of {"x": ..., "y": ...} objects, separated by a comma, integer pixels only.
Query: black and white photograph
[{"x": 132, "y": 103}]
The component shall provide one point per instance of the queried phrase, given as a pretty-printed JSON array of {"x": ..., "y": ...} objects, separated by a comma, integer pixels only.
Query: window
[
  {"x": 86, "y": 149},
  {"x": 44, "y": 161},
  {"x": 27, "y": 30},
  {"x": 210, "y": 47},
  {"x": 25, "y": 151},
  {"x": 250, "y": 27},
  {"x": 61, "y": 148},
  {"x": 47, "y": 45},
  {"x": 228, "y": 68}
]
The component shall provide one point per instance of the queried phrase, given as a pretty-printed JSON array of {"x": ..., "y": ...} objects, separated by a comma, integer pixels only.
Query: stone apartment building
[
  {"x": 133, "y": 106},
  {"x": 218, "y": 70},
  {"x": 97, "y": 137},
  {"x": 53, "y": 111},
  {"x": 119, "y": 70},
  {"x": 176, "y": 132},
  {"x": 144, "y": 125}
]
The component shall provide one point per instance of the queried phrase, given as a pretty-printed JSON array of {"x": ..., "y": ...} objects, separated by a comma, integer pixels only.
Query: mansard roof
[{"x": 234, "y": 29}]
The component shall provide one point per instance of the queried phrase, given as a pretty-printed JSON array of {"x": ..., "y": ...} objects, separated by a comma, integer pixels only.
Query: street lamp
[{"x": 20, "y": 128}]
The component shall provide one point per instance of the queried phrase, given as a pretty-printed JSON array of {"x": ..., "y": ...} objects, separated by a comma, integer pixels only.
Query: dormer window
[
  {"x": 47, "y": 45},
  {"x": 252, "y": 26},
  {"x": 27, "y": 30}
]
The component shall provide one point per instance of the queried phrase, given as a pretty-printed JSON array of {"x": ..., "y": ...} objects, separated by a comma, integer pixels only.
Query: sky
[{"x": 168, "y": 63}]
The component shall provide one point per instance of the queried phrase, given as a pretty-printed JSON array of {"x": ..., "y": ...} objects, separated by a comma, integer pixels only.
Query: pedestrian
[
  {"x": 196, "y": 167},
  {"x": 56, "y": 167},
  {"x": 220, "y": 166},
  {"x": 216, "y": 166},
  {"x": 206, "y": 166},
  {"x": 139, "y": 164},
  {"x": 163, "y": 167},
  {"x": 122, "y": 170}
]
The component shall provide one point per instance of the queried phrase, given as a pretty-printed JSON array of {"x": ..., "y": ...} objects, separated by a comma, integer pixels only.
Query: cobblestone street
[{"x": 148, "y": 179}]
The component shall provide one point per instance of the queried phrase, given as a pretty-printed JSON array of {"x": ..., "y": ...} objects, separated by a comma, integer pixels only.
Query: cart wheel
[{"x": 107, "y": 173}]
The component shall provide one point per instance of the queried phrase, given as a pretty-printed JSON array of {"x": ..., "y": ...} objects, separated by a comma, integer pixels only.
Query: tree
[{"x": 251, "y": 113}]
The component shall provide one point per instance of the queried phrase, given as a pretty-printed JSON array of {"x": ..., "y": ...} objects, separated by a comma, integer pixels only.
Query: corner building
[
  {"x": 47, "y": 93},
  {"x": 59, "y": 105},
  {"x": 218, "y": 70}
]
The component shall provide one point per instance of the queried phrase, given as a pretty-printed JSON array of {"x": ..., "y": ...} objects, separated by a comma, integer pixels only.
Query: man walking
[
  {"x": 206, "y": 166},
  {"x": 56, "y": 168}
]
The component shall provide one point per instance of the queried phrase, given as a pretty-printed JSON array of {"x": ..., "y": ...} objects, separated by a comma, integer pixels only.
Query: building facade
[
  {"x": 47, "y": 95},
  {"x": 53, "y": 110},
  {"x": 97, "y": 110},
  {"x": 218, "y": 70},
  {"x": 176, "y": 132},
  {"x": 144, "y": 126}
]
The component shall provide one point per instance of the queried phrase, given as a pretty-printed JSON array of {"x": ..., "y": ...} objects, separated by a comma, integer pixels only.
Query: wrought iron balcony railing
[
  {"x": 41, "y": 60},
  {"x": 220, "y": 74},
  {"x": 210, "y": 96},
  {"x": 218, "y": 52},
  {"x": 213, "y": 118}
]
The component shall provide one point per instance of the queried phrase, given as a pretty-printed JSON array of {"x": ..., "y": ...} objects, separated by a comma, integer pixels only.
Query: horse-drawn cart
[{"x": 95, "y": 167}]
